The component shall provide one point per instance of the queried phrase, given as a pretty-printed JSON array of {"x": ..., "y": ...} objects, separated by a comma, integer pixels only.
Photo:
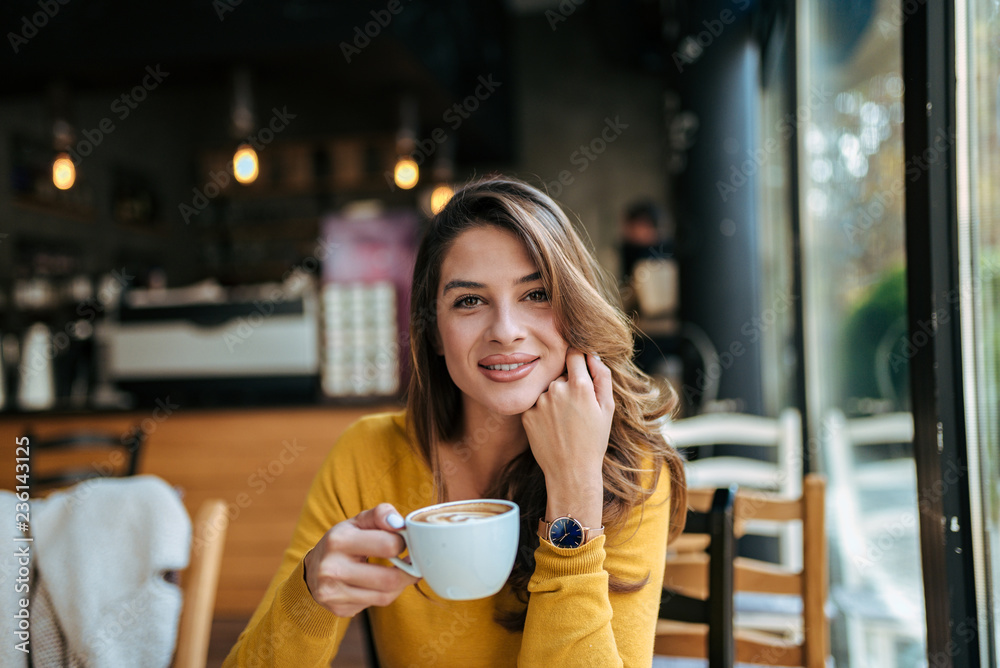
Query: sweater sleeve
[
  {"x": 573, "y": 620},
  {"x": 289, "y": 628}
]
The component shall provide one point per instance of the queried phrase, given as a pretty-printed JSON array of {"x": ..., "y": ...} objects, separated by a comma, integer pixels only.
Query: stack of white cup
[{"x": 361, "y": 348}]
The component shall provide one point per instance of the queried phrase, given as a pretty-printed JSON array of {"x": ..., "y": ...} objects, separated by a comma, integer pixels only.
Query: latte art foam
[
  {"x": 456, "y": 517},
  {"x": 459, "y": 514}
]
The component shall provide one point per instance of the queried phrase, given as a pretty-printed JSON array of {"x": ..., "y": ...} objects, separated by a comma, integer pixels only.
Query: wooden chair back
[
  {"x": 62, "y": 460},
  {"x": 689, "y": 573},
  {"x": 199, "y": 583},
  {"x": 712, "y": 614},
  {"x": 779, "y": 440}
]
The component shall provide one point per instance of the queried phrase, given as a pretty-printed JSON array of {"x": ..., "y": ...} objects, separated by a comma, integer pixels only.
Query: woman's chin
[{"x": 513, "y": 406}]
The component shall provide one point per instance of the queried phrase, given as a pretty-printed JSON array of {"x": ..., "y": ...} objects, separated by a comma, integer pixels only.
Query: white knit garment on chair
[{"x": 102, "y": 548}]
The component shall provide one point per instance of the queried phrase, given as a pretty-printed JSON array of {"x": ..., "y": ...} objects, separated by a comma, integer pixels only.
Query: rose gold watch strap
[{"x": 588, "y": 533}]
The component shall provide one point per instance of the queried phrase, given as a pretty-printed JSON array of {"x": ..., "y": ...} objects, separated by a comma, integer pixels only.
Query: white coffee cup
[{"x": 463, "y": 549}]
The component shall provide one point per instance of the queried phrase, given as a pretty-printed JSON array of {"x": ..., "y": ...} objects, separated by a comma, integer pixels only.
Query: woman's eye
[
  {"x": 539, "y": 295},
  {"x": 468, "y": 301}
]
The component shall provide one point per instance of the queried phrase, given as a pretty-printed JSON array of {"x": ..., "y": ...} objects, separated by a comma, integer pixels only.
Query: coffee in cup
[
  {"x": 463, "y": 549},
  {"x": 460, "y": 512}
]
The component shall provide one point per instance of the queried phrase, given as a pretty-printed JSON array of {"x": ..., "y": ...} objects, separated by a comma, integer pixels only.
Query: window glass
[
  {"x": 977, "y": 136},
  {"x": 774, "y": 329},
  {"x": 852, "y": 177}
]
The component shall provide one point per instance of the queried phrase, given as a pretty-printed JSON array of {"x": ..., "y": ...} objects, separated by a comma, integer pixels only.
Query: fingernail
[
  {"x": 596, "y": 356},
  {"x": 395, "y": 521}
]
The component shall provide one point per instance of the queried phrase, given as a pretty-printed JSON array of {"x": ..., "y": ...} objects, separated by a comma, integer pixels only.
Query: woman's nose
[{"x": 507, "y": 325}]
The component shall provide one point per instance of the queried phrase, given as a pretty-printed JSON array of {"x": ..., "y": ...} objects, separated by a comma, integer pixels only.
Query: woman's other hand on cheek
[{"x": 568, "y": 429}]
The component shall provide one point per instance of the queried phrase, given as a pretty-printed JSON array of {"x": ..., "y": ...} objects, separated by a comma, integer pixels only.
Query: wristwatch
[{"x": 566, "y": 532}]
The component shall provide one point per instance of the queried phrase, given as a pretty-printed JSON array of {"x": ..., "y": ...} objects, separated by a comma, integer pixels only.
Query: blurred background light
[
  {"x": 406, "y": 174},
  {"x": 245, "y": 165},
  {"x": 440, "y": 197},
  {"x": 63, "y": 172}
]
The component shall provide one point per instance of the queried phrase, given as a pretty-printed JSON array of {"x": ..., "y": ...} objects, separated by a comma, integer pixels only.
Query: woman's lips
[{"x": 507, "y": 368}]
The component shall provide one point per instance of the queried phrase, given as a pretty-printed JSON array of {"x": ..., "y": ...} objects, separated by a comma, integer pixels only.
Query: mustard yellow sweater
[{"x": 572, "y": 619}]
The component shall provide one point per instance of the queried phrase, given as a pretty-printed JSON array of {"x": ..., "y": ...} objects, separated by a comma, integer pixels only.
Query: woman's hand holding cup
[{"x": 336, "y": 569}]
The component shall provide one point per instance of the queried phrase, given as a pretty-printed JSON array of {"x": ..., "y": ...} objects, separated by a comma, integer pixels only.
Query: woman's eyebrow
[
  {"x": 468, "y": 285},
  {"x": 530, "y": 278},
  {"x": 472, "y": 285}
]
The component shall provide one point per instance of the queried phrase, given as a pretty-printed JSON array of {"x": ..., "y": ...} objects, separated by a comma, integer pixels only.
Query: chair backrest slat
[
  {"x": 751, "y": 505},
  {"x": 65, "y": 459},
  {"x": 716, "y": 428},
  {"x": 763, "y": 650},
  {"x": 762, "y": 577}
]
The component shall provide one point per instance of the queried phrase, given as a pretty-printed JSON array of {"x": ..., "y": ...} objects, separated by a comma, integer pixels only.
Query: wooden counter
[{"x": 260, "y": 462}]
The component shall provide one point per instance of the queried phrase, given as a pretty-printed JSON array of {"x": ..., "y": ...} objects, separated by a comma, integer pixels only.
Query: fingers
[
  {"x": 347, "y": 587},
  {"x": 603, "y": 387},
  {"x": 370, "y": 533},
  {"x": 590, "y": 370},
  {"x": 363, "y": 575},
  {"x": 337, "y": 572},
  {"x": 383, "y": 516},
  {"x": 576, "y": 366}
]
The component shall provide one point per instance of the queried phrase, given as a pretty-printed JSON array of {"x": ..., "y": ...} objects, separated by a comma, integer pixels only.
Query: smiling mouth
[{"x": 504, "y": 367}]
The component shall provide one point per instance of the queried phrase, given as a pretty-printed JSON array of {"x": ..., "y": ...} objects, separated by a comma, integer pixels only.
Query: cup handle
[{"x": 402, "y": 565}]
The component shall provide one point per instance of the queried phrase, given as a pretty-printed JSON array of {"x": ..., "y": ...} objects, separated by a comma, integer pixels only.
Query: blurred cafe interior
[{"x": 209, "y": 213}]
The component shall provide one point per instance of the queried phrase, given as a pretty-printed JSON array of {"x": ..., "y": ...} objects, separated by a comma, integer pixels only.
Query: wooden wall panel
[{"x": 217, "y": 454}]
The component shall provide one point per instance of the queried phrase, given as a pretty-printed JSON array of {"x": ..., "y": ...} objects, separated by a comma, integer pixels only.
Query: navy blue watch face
[{"x": 566, "y": 532}]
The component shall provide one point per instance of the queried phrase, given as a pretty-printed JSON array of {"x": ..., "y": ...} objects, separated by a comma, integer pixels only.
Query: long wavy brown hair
[{"x": 586, "y": 302}]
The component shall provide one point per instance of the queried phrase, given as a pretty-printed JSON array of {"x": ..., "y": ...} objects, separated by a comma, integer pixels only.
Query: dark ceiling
[
  {"x": 98, "y": 42},
  {"x": 432, "y": 50}
]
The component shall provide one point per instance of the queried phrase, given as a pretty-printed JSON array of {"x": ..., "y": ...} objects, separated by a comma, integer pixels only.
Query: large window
[
  {"x": 852, "y": 179},
  {"x": 977, "y": 68}
]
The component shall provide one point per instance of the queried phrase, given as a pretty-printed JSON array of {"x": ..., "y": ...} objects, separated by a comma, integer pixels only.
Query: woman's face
[{"x": 498, "y": 332}]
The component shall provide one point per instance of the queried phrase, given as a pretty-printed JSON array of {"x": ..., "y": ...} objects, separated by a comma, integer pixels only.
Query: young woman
[{"x": 522, "y": 388}]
